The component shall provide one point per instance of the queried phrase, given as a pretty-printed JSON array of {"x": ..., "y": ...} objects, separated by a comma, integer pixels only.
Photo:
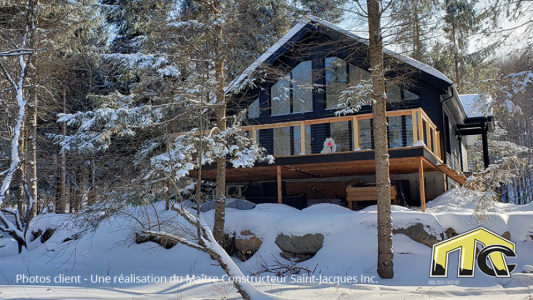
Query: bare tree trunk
[
  {"x": 84, "y": 176},
  {"x": 92, "y": 192},
  {"x": 71, "y": 199},
  {"x": 31, "y": 156},
  {"x": 21, "y": 192},
  {"x": 62, "y": 202},
  {"x": 379, "y": 108},
  {"x": 455, "y": 55},
  {"x": 220, "y": 204}
]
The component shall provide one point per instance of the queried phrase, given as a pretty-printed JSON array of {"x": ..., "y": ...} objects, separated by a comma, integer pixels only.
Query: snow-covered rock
[
  {"x": 308, "y": 244},
  {"x": 247, "y": 242},
  {"x": 418, "y": 233}
]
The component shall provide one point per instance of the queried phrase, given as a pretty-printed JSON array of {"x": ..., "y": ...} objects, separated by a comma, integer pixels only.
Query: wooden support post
[
  {"x": 254, "y": 134},
  {"x": 355, "y": 129},
  {"x": 415, "y": 127},
  {"x": 428, "y": 135},
  {"x": 422, "y": 186},
  {"x": 437, "y": 143},
  {"x": 302, "y": 138},
  {"x": 420, "y": 127},
  {"x": 280, "y": 195}
]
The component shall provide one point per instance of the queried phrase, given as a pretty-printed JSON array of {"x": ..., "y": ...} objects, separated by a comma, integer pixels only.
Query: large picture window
[
  {"x": 253, "y": 110},
  {"x": 293, "y": 93},
  {"x": 280, "y": 97},
  {"x": 282, "y": 141},
  {"x": 396, "y": 93},
  {"x": 335, "y": 80},
  {"x": 340, "y": 75},
  {"x": 302, "y": 81}
]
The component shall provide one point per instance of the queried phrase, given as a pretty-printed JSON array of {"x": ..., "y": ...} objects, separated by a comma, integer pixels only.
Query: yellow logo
[{"x": 491, "y": 259}]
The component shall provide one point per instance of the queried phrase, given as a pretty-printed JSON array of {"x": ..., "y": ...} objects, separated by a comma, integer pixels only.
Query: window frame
[
  {"x": 348, "y": 79},
  {"x": 290, "y": 77},
  {"x": 258, "y": 100}
]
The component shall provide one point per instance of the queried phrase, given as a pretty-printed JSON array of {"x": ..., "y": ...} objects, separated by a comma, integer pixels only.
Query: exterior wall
[
  {"x": 453, "y": 147},
  {"x": 429, "y": 95},
  {"x": 464, "y": 151},
  {"x": 430, "y": 92}
]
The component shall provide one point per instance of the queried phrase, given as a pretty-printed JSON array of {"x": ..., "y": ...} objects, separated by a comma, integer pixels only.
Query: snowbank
[
  {"x": 456, "y": 200},
  {"x": 349, "y": 246}
]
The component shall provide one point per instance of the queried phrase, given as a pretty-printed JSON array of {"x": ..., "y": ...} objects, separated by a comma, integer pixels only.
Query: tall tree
[
  {"x": 381, "y": 152},
  {"x": 41, "y": 32},
  {"x": 31, "y": 126},
  {"x": 232, "y": 35},
  {"x": 461, "y": 19},
  {"x": 15, "y": 74},
  {"x": 414, "y": 26}
]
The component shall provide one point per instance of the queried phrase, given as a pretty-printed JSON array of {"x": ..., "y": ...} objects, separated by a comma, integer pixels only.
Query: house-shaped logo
[{"x": 491, "y": 259}]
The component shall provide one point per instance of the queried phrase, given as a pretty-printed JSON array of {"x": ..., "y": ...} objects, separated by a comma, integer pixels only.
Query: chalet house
[{"x": 321, "y": 156}]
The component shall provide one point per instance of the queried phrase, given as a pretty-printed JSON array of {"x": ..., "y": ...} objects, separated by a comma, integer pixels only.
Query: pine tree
[
  {"x": 39, "y": 29},
  {"x": 414, "y": 26},
  {"x": 460, "y": 21}
]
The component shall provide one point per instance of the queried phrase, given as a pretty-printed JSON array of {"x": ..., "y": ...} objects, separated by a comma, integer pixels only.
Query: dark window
[
  {"x": 337, "y": 74},
  {"x": 396, "y": 93},
  {"x": 294, "y": 92},
  {"x": 253, "y": 110}
]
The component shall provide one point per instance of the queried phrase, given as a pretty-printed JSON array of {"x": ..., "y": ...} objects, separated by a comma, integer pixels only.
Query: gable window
[
  {"x": 340, "y": 75},
  {"x": 294, "y": 92},
  {"x": 280, "y": 97},
  {"x": 396, "y": 93},
  {"x": 253, "y": 110},
  {"x": 335, "y": 80}
]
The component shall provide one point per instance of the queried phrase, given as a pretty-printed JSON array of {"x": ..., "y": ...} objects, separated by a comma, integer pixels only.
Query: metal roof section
[
  {"x": 300, "y": 28},
  {"x": 471, "y": 104}
]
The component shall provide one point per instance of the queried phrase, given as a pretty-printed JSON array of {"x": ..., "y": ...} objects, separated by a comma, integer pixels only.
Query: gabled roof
[
  {"x": 469, "y": 104},
  {"x": 303, "y": 27}
]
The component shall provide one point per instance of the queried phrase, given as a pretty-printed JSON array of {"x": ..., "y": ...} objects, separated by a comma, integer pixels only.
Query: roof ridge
[{"x": 300, "y": 25}]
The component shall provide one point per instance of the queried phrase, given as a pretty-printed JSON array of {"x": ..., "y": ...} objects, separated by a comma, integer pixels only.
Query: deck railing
[{"x": 406, "y": 129}]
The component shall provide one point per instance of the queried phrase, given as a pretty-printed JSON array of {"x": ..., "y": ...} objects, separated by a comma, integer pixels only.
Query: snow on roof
[
  {"x": 237, "y": 82},
  {"x": 469, "y": 102},
  {"x": 413, "y": 62}
]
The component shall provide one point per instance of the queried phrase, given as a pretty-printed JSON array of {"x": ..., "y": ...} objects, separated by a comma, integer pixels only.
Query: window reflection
[
  {"x": 293, "y": 93},
  {"x": 280, "y": 97},
  {"x": 302, "y": 77},
  {"x": 253, "y": 109}
]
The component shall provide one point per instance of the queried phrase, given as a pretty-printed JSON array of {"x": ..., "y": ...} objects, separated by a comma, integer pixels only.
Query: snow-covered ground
[{"x": 95, "y": 263}]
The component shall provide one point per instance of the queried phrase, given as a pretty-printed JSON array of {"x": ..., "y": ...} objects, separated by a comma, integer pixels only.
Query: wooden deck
[
  {"x": 280, "y": 171},
  {"x": 423, "y": 129},
  {"x": 423, "y": 155},
  {"x": 403, "y": 165}
]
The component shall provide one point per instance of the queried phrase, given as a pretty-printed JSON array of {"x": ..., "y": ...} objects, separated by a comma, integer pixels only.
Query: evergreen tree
[
  {"x": 460, "y": 21},
  {"x": 415, "y": 25}
]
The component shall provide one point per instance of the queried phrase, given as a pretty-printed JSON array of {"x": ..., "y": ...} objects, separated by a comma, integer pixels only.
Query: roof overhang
[
  {"x": 312, "y": 22},
  {"x": 475, "y": 126}
]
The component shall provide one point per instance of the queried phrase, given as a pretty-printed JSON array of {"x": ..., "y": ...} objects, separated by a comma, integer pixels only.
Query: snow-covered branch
[
  {"x": 354, "y": 97},
  {"x": 181, "y": 158}
]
